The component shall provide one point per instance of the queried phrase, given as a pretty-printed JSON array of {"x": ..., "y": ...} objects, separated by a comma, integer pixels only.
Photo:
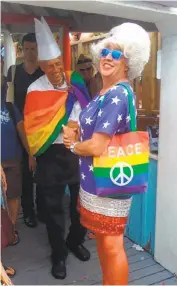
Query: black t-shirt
[{"x": 22, "y": 81}]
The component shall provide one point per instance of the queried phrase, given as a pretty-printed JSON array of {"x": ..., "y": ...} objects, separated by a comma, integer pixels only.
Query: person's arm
[
  {"x": 92, "y": 147},
  {"x": 114, "y": 111},
  {"x": 3, "y": 179},
  {"x": 73, "y": 121},
  {"x": 22, "y": 134}
]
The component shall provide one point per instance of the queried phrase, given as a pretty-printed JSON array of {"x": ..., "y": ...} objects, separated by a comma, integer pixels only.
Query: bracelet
[{"x": 72, "y": 146}]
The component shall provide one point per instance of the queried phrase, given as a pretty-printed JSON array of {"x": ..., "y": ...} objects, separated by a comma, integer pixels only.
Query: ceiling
[
  {"x": 77, "y": 20},
  {"x": 83, "y": 16},
  {"x": 165, "y": 3}
]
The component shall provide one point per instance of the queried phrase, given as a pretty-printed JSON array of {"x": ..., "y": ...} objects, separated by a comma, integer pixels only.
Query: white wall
[{"x": 166, "y": 220}]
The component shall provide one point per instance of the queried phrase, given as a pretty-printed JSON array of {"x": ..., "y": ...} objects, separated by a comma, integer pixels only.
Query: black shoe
[
  {"x": 59, "y": 270},
  {"x": 80, "y": 252},
  {"x": 30, "y": 221}
]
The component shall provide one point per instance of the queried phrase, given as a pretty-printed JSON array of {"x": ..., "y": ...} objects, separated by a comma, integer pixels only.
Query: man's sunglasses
[
  {"x": 86, "y": 69},
  {"x": 116, "y": 55}
]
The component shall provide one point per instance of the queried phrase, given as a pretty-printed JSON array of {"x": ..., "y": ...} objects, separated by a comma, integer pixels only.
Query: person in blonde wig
[{"x": 120, "y": 57}]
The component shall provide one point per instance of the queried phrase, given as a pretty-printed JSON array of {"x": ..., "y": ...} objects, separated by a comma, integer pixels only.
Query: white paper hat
[{"x": 47, "y": 46}]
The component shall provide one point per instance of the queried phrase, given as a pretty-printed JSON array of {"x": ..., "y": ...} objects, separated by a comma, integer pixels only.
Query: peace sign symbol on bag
[{"x": 122, "y": 179}]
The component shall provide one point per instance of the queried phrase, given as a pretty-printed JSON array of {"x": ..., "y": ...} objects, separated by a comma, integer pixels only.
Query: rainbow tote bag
[{"x": 123, "y": 168}]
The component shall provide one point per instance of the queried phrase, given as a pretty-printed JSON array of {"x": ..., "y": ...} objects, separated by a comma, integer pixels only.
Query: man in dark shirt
[{"x": 25, "y": 74}]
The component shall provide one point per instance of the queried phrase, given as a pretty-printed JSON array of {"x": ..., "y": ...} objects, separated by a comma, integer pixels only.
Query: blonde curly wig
[{"x": 133, "y": 41}]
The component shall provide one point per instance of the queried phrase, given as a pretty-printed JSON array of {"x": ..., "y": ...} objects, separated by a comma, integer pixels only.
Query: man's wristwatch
[{"x": 72, "y": 146}]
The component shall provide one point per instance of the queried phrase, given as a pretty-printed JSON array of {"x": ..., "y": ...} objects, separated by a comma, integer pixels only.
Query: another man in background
[
  {"x": 25, "y": 74},
  {"x": 89, "y": 73}
]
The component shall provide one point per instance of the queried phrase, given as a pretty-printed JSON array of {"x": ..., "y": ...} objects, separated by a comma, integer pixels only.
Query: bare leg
[
  {"x": 13, "y": 206},
  {"x": 114, "y": 260},
  {"x": 101, "y": 255}
]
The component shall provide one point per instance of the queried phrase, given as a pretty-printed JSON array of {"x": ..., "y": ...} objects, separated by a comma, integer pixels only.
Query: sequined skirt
[{"x": 103, "y": 215}]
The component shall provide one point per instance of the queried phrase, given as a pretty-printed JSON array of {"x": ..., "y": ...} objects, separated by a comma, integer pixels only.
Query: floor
[{"x": 31, "y": 259}]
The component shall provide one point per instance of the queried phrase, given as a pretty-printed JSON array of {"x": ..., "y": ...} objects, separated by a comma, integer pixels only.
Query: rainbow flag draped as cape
[{"x": 47, "y": 110}]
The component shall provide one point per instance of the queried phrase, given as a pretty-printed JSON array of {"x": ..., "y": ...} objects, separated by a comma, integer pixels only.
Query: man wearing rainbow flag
[{"x": 53, "y": 100}]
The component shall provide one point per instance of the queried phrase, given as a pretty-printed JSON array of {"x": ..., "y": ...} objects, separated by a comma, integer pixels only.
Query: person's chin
[
  {"x": 57, "y": 80},
  {"x": 106, "y": 73}
]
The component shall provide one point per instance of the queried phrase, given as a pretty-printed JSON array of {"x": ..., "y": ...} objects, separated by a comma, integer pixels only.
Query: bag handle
[
  {"x": 13, "y": 73},
  {"x": 10, "y": 84},
  {"x": 131, "y": 107}
]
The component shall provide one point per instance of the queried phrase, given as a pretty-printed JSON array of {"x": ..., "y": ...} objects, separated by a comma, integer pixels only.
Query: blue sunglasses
[{"x": 116, "y": 55}]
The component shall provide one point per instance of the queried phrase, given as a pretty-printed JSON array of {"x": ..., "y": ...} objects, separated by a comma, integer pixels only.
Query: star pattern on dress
[
  {"x": 80, "y": 162},
  {"x": 119, "y": 118},
  {"x": 96, "y": 99},
  {"x": 114, "y": 88},
  {"x": 4, "y": 117},
  {"x": 106, "y": 124},
  {"x": 82, "y": 131},
  {"x": 88, "y": 120},
  {"x": 100, "y": 113},
  {"x": 125, "y": 92},
  {"x": 81, "y": 117},
  {"x": 83, "y": 176},
  {"x": 128, "y": 118},
  {"x": 115, "y": 100},
  {"x": 90, "y": 168},
  {"x": 4, "y": 113}
]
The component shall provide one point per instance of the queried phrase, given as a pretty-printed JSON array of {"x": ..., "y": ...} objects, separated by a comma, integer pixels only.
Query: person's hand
[
  {"x": 69, "y": 136},
  {"x": 32, "y": 163},
  {"x": 73, "y": 124},
  {"x": 75, "y": 127},
  {"x": 4, "y": 179}
]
